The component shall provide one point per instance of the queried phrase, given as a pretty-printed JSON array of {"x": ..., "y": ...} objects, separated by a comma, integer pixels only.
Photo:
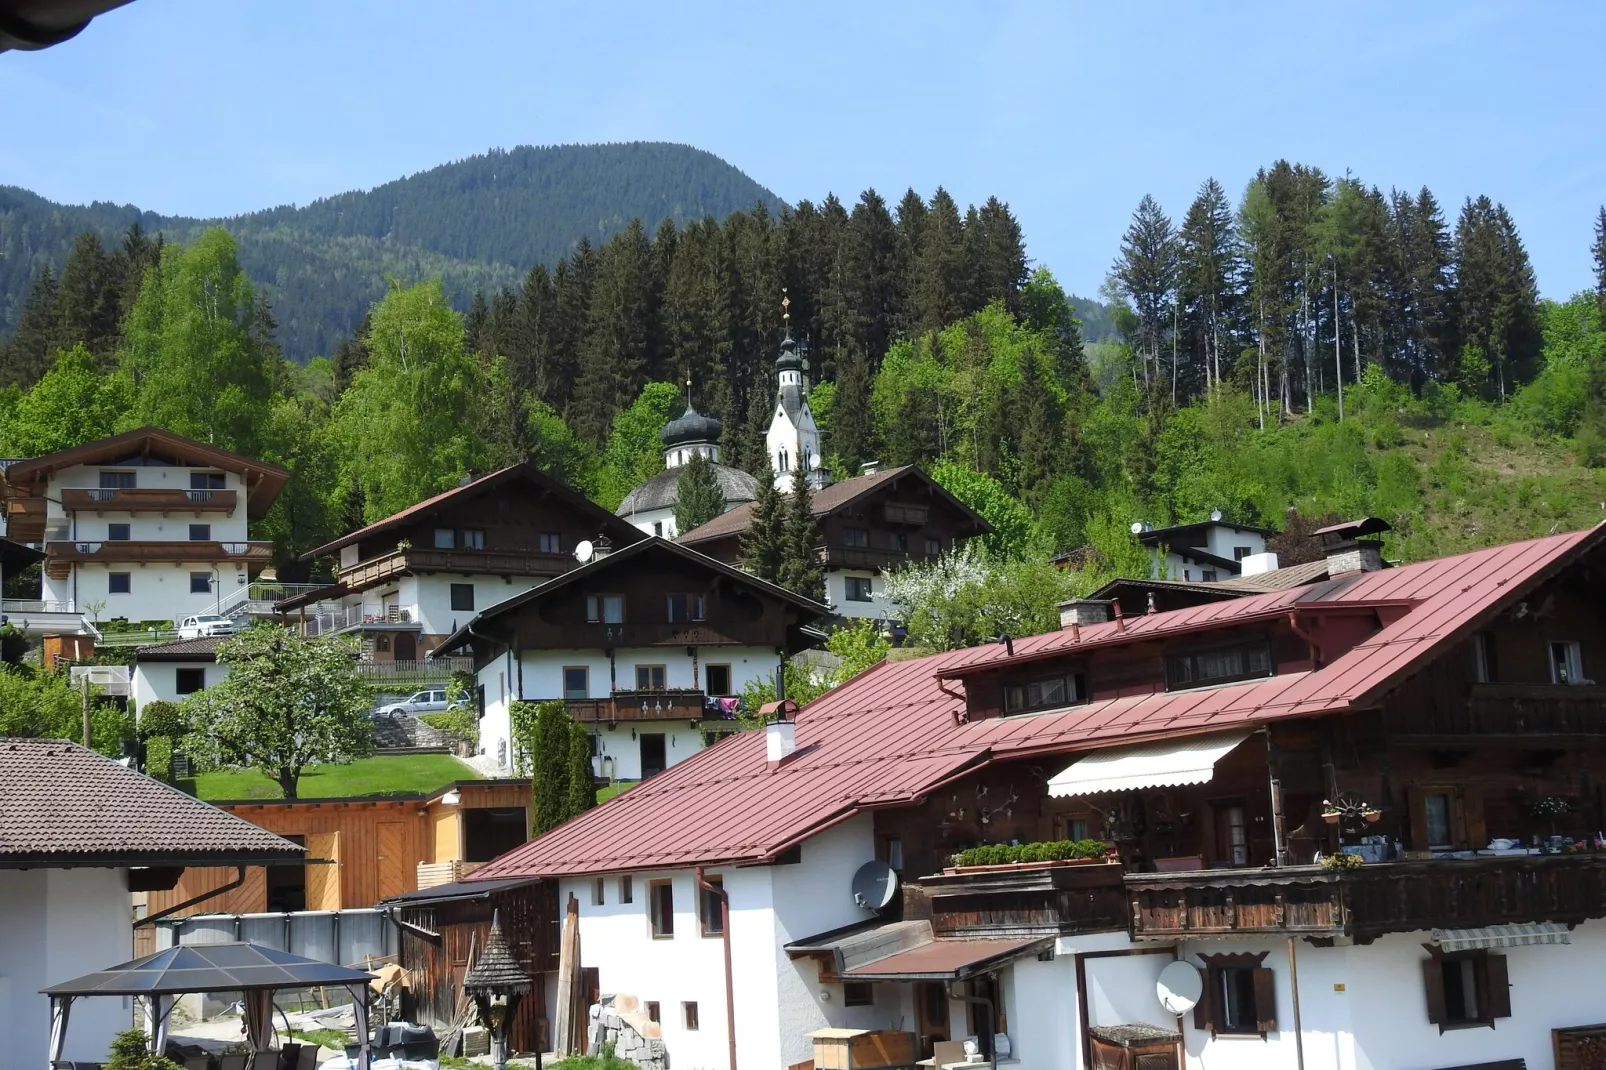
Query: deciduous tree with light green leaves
[
  {"x": 74, "y": 403},
  {"x": 198, "y": 362},
  {"x": 407, "y": 426},
  {"x": 635, "y": 451},
  {"x": 288, "y": 702}
]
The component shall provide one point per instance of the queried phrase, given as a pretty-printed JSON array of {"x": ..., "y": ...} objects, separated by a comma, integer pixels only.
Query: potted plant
[
  {"x": 1005, "y": 856},
  {"x": 1340, "y": 862},
  {"x": 1330, "y": 813}
]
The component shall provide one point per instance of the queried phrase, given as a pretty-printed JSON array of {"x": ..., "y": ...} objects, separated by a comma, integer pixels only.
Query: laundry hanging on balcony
[
  {"x": 1520, "y": 934},
  {"x": 1162, "y": 763}
]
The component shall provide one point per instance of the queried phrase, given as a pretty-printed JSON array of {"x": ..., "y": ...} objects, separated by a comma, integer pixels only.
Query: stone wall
[{"x": 621, "y": 1021}]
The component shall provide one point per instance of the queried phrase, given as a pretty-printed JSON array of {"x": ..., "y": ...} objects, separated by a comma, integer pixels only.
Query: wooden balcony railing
[
  {"x": 899, "y": 513},
  {"x": 1495, "y": 710},
  {"x": 513, "y": 562},
  {"x": 651, "y": 705},
  {"x": 691, "y": 633},
  {"x": 1377, "y": 898},
  {"x": 1025, "y": 900},
  {"x": 837, "y": 556},
  {"x": 175, "y": 550},
  {"x": 25, "y": 518},
  {"x": 150, "y": 500}
]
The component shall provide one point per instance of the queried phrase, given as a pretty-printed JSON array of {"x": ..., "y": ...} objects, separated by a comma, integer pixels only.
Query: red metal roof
[{"x": 892, "y": 734}]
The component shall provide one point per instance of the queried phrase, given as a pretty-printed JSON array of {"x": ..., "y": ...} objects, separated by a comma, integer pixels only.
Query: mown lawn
[
  {"x": 618, "y": 787},
  {"x": 398, "y": 774}
]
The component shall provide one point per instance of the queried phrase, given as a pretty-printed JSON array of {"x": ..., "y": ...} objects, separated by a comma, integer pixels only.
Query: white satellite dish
[
  {"x": 1137, "y": 527},
  {"x": 1215, "y": 514},
  {"x": 583, "y": 550},
  {"x": 1179, "y": 988},
  {"x": 874, "y": 886}
]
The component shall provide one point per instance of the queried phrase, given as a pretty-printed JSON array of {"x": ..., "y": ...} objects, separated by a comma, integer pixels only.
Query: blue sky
[{"x": 1070, "y": 112}]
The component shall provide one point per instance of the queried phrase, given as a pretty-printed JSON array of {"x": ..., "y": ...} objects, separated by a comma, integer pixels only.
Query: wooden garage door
[{"x": 394, "y": 878}]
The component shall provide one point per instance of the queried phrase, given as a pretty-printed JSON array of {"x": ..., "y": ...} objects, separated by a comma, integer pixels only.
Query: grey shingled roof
[
  {"x": 202, "y": 649},
  {"x": 496, "y": 967},
  {"x": 662, "y": 491},
  {"x": 63, "y": 805}
]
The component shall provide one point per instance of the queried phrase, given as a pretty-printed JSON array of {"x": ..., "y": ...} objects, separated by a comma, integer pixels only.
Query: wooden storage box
[
  {"x": 862, "y": 1049},
  {"x": 1133, "y": 1047}
]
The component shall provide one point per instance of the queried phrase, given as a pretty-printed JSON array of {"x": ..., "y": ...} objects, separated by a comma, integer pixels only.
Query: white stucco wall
[
  {"x": 777, "y": 1000},
  {"x": 801, "y": 442},
  {"x": 539, "y": 675},
  {"x": 159, "y": 590},
  {"x": 836, "y": 595},
  {"x": 56, "y": 925},
  {"x": 155, "y": 680},
  {"x": 646, "y": 518}
]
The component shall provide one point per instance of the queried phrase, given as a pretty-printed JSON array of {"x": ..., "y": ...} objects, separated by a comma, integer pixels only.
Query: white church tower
[{"x": 793, "y": 439}]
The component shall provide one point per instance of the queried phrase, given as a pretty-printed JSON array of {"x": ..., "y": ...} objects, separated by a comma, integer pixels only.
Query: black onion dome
[
  {"x": 692, "y": 426},
  {"x": 789, "y": 359}
]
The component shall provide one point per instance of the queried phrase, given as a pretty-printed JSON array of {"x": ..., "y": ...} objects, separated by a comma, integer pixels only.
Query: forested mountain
[
  {"x": 478, "y": 223},
  {"x": 1314, "y": 346}
]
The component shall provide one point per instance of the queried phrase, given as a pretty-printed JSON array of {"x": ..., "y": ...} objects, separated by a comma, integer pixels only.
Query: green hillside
[{"x": 478, "y": 224}]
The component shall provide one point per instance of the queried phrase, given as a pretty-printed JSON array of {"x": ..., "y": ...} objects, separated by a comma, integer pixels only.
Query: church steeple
[{"x": 793, "y": 439}]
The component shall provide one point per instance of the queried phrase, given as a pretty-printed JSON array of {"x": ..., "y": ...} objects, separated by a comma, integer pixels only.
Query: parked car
[
  {"x": 206, "y": 624},
  {"x": 431, "y": 701}
]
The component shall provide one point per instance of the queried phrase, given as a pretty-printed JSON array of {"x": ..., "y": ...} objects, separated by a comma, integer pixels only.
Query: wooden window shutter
[
  {"x": 1265, "y": 1000},
  {"x": 1204, "y": 1012},
  {"x": 1433, "y": 986},
  {"x": 1477, "y": 835},
  {"x": 1498, "y": 982},
  {"x": 1419, "y": 820}
]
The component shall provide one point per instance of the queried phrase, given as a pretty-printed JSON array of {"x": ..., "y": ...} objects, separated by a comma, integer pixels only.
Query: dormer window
[
  {"x": 1045, "y": 692},
  {"x": 1218, "y": 665},
  {"x": 605, "y": 608}
]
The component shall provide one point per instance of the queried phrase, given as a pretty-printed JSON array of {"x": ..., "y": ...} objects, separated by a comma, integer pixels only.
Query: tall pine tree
[
  {"x": 764, "y": 541},
  {"x": 799, "y": 570},
  {"x": 698, "y": 497}
]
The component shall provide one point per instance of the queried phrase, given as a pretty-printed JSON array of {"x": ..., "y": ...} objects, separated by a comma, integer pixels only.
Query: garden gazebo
[{"x": 255, "y": 971}]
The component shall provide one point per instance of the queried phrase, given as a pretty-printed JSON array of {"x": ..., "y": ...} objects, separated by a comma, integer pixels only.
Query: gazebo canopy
[{"x": 210, "y": 968}]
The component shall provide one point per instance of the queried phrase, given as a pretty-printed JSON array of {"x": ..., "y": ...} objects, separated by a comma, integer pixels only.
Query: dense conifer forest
[
  {"x": 477, "y": 223},
  {"x": 1309, "y": 347}
]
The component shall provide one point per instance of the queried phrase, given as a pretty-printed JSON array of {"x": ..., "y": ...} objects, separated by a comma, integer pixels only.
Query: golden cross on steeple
[
  {"x": 786, "y": 313},
  {"x": 688, "y": 391}
]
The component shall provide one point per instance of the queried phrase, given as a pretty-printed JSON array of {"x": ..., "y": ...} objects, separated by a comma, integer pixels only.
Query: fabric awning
[
  {"x": 1516, "y": 935},
  {"x": 1162, "y": 763}
]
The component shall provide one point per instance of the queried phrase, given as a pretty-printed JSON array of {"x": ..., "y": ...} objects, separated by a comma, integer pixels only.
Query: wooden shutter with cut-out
[{"x": 1498, "y": 987}]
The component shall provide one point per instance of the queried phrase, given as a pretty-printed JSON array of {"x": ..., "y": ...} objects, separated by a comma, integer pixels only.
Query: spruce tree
[
  {"x": 1599, "y": 251},
  {"x": 550, "y": 766},
  {"x": 698, "y": 497},
  {"x": 1207, "y": 268},
  {"x": 87, "y": 301},
  {"x": 474, "y": 322},
  {"x": 582, "y": 788},
  {"x": 33, "y": 346},
  {"x": 874, "y": 279},
  {"x": 799, "y": 570},
  {"x": 940, "y": 283},
  {"x": 852, "y": 433},
  {"x": 1001, "y": 256},
  {"x": 1146, "y": 275},
  {"x": 1039, "y": 420},
  {"x": 764, "y": 541}
]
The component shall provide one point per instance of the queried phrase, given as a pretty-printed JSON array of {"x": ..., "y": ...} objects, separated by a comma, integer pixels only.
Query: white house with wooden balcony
[
  {"x": 650, "y": 647},
  {"x": 143, "y": 526},
  {"x": 404, "y": 583},
  {"x": 870, "y": 525}
]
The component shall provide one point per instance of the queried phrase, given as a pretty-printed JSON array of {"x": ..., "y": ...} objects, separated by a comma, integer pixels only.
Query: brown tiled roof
[
  {"x": 63, "y": 805},
  {"x": 202, "y": 649},
  {"x": 826, "y": 501}
]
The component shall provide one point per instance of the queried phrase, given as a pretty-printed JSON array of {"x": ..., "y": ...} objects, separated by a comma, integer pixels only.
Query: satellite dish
[
  {"x": 1179, "y": 987},
  {"x": 1215, "y": 514},
  {"x": 1137, "y": 527},
  {"x": 583, "y": 550},
  {"x": 874, "y": 886}
]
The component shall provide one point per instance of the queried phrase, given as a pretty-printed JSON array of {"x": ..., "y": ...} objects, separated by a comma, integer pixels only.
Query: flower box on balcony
[{"x": 1018, "y": 867}]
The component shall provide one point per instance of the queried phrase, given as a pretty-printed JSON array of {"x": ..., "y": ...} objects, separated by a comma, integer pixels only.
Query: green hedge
[
  {"x": 1003, "y": 854},
  {"x": 160, "y": 718},
  {"x": 159, "y": 759},
  {"x": 463, "y": 723}
]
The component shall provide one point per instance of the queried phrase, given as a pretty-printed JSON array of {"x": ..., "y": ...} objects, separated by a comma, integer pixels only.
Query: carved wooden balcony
[
  {"x": 150, "y": 500},
  {"x": 1364, "y": 903},
  {"x": 669, "y": 704},
  {"x": 1494, "y": 711},
  {"x": 1030, "y": 899}
]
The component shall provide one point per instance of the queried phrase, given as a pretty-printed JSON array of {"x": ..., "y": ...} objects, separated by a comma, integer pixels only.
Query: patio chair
[
  {"x": 308, "y": 1059},
  {"x": 233, "y": 1062},
  {"x": 198, "y": 1062}
]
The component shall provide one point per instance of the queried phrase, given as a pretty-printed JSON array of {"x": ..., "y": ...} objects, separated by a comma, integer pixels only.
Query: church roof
[
  {"x": 662, "y": 491},
  {"x": 791, "y": 397},
  {"x": 691, "y": 426}
]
